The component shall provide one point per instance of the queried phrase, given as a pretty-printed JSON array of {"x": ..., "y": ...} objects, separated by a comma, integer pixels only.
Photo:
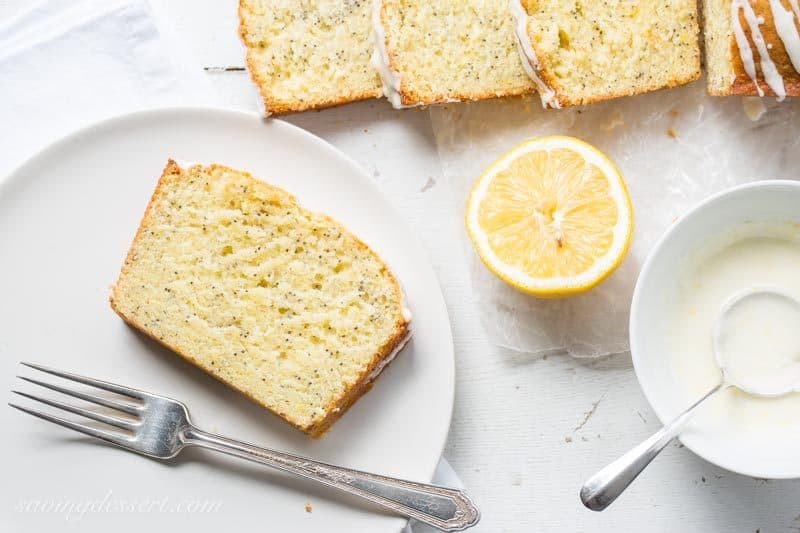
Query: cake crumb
[
  {"x": 753, "y": 107},
  {"x": 671, "y": 133},
  {"x": 308, "y": 507},
  {"x": 615, "y": 122}
]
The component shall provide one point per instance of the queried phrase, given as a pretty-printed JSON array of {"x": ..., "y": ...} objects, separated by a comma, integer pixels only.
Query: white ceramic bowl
[{"x": 755, "y": 207}]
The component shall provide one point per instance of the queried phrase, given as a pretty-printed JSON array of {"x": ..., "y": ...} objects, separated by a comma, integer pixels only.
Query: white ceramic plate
[
  {"x": 66, "y": 220},
  {"x": 766, "y": 208}
]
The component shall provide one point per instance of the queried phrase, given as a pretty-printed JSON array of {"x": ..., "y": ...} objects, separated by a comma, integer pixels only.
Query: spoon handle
[{"x": 606, "y": 485}]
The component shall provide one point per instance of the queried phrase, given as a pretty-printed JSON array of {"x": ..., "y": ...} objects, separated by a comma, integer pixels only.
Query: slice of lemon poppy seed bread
[
  {"x": 446, "y": 50},
  {"x": 580, "y": 51},
  {"x": 282, "y": 304},
  {"x": 305, "y": 54}
]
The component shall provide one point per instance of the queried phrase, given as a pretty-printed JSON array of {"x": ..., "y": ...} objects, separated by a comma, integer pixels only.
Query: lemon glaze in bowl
[{"x": 738, "y": 433}]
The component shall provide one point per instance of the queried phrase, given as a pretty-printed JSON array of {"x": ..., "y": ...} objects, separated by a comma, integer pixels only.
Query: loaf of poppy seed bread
[{"x": 282, "y": 304}]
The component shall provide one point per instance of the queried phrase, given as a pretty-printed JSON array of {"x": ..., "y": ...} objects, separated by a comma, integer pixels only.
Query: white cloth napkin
[{"x": 68, "y": 63}]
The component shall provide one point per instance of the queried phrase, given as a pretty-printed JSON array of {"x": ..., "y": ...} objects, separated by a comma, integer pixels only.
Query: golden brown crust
[
  {"x": 550, "y": 80},
  {"x": 565, "y": 101},
  {"x": 742, "y": 85},
  {"x": 414, "y": 98},
  {"x": 274, "y": 106},
  {"x": 336, "y": 408}
]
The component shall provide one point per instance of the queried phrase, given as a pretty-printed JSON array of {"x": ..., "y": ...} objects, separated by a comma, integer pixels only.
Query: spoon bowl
[{"x": 756, "y": 341}]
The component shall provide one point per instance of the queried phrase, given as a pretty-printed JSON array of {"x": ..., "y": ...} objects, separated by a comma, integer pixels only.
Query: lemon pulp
[{"x": 552, "y": 217}]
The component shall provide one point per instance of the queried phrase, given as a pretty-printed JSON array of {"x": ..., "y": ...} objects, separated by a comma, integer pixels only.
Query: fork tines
[{"x": 124, "y": 423}]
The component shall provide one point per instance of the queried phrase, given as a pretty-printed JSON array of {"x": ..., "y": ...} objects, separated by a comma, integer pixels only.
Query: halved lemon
[{"x": 552, "y": 217}]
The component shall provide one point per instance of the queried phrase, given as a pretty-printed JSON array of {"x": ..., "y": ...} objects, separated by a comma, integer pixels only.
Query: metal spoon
[{"x": 606, "y": 485}]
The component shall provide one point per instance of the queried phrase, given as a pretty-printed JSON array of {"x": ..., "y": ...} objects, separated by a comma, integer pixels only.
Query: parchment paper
[{"x": 674, "y": 148}]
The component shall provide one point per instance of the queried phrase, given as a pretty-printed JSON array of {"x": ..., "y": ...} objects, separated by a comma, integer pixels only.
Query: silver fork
[{"x": 159, "y": 427}]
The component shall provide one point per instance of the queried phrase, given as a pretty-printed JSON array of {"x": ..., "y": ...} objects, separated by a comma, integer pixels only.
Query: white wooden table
[{"x": 526, "y": 431}]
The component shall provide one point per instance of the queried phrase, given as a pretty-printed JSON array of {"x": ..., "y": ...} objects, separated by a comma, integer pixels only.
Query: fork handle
[{"x": 443, "y": 508}]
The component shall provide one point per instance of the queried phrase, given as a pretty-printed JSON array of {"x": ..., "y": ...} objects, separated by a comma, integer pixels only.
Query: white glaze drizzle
[
  {"x": 530, "y": 63},
  {"x": 390, "y": 80},
  {"x": 795, "y": 8},
  {"x": 745, "y": 51},
  {"x": 389, "y": 358},
  {"x": 263, "y": 110},
  {"x": 771, "y": 75},
  {"x": 787, "y": 31}
]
